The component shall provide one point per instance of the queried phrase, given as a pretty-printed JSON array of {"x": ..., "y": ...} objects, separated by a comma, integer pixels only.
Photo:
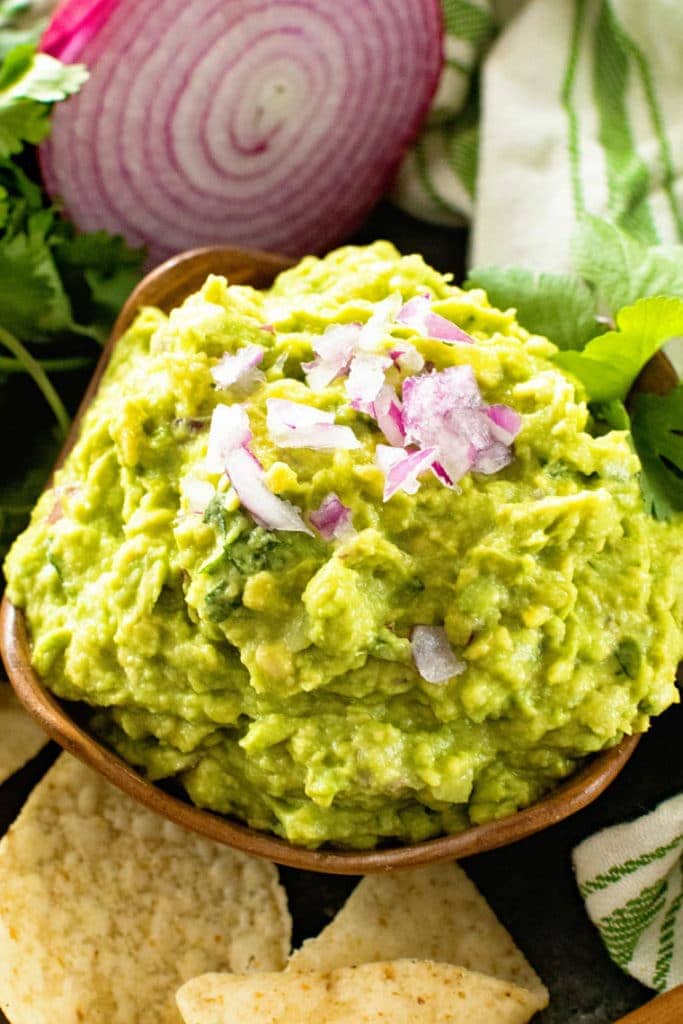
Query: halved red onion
[
  {"x": 238, "y": 368},
  {"x": 334, "y": 350},
  {"x": 265, "y": 123},
  {"x": 433, "y": 655},
  {"x": 229, "y": 430},
  {"x": 417, "y": 313},
  {"x": 295, "y": 425},
  {"x": 401, "y": 469},
  {"x": 246, "y": 476},
  {"x": 332, "y": 519}
]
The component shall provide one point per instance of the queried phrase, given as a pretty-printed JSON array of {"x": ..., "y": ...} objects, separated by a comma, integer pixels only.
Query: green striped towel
[
  {"x": 437, "y": 179},
  {"x": 631, "y": 877},
  {"x": 581, "y": 110}
]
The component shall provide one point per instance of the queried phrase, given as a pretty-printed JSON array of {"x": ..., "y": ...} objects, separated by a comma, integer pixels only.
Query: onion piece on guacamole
[{"x": 265, "y": 658}]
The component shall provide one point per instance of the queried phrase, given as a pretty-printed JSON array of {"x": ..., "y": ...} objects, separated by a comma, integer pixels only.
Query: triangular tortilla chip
[
  {"x": 398, "y": 992},
  {"x": 106, "y": 908},
  {"x": 20, "y": 737},
  {"x": 432, "y": 913}
]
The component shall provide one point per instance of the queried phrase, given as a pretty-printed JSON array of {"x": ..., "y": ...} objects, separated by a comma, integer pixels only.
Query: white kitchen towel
[
  {"x": 631, "y": 878},
  {"x": 581, "y": 110},
  {"x": 436, "y": 181}
]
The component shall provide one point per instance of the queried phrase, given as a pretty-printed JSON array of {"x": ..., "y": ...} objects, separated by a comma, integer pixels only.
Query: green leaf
[
  {"x": 657, "y": 428},
  {"x": 559, "y": 306},
  {"x": 99, "y": 272},
  {"x": 612, "y": 413},
  {"x": 623, "y": 269},
  {"x": 29, "y": 84},
  {"x": 21, "y": 121},
  {"x": 610, "y": 363},
  {"x": 26, "y": 288}
]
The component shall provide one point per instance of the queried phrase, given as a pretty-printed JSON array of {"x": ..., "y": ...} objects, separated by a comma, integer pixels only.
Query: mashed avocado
[{"x": 271, "y": 670}]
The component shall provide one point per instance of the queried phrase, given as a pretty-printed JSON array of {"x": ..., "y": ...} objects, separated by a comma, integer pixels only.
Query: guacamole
[{"x": 272, "y": 604}]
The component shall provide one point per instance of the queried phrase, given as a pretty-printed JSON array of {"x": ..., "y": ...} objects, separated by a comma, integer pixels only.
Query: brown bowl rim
[{"x": 577, "y": 792}]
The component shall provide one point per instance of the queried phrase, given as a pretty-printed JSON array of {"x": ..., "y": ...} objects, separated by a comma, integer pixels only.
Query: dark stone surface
[{"x": 530, "y": 885}]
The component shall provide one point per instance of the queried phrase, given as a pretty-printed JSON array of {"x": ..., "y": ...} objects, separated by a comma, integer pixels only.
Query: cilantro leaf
[
  {"x": 99, "y": 272},
  {"x": 657, "y": 429},
  {"x": 613, "y": 413},
  {"x": 623, "y": 269},
  {"x": 55, "y": 281},
  {"x": 29, "y": 83},
  {"x": 610, "y": 363},
  {"x": 26, "y": 288},
  {"x": 559, "y": 306}
]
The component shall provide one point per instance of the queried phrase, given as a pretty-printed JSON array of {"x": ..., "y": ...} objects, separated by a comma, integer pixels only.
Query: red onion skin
[
  {"x": 144, "y": 191},
  {"x": 73, "y": 24}
]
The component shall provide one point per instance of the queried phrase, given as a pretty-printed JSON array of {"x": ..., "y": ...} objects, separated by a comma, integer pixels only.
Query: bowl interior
[{"x": 166, "y": 287}]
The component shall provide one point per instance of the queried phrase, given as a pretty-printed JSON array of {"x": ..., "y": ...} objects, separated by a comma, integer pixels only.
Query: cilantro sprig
[
  {"x": 61, "y": 290},
  {"x": 622, "y": 304}
]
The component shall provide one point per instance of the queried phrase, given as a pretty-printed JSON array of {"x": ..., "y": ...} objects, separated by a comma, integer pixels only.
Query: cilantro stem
[
  {"x": 49, "y": 365},
  {"x": 40, "y": 378}
]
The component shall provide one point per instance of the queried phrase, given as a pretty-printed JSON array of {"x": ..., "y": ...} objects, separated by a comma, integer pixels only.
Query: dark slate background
[{"x": 529, "y": 885}]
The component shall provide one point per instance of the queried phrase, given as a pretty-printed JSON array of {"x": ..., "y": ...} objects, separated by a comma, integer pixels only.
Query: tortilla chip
[
  {"x": 105, "y": 908},
  {"x": 20, "y": 737},
  {"x": 399, "y": 992},
  {"x": 432, "y": 913}
]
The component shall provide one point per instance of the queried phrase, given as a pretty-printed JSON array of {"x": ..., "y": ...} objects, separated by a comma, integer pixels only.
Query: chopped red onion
[
  {"x": 407, "y": 357},
  {"x": 505, "y": 422},
  {"x": 446, "y": 409},
  {"x": 366, "y": 380},
  {"x": 433, "y": 655},
  {"x": 229, "y": 430},
  {"x": 401, "y": 468},
  {"x": 387, "y": 457},
  {"x": 273, "y": 124},
  {"x": 238, "y": 368},
  {"x": 417, "y": 313},
  {"x": 389, "y": 416},
  {"x": 198, "y": 494},
  {"x": 441, "y": 474},
  {"x": 246, "y": 476},
  {"x": 380, "y": 323},
  {"x": 334, "y": 350},
  {"x": 332, "y": 519},
  {"x": 295, "y": 425}
]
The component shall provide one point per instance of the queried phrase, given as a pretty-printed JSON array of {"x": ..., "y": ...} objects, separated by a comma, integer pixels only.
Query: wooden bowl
[{"x": 165, "y": 287}]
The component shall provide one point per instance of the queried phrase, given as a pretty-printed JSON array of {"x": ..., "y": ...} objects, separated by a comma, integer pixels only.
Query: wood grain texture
[
  {"x": 666, "y": 1009},
  {"x": 165, "y": 287}
]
